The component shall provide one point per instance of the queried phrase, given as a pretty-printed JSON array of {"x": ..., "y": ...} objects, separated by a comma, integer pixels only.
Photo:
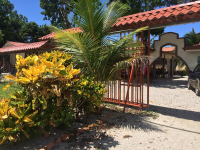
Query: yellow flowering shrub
[
  {"x": 88, "y": 93},
  {"x": 14, "y": 121},
  {"x": 46, "y": 80}
]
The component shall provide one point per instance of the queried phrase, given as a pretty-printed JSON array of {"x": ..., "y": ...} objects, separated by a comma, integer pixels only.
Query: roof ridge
[{"x": 159, "y": 9}]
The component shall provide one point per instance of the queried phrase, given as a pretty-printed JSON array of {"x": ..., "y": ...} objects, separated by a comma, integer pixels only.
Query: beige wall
[
  {"x": 22, "y": 54},
  {"x": 13, "y": 57},
  {"x": 189, "y": 57}
]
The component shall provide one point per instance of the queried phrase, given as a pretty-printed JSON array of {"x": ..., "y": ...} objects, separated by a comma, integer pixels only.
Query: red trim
[
  {"x": 30, "y": 46},
  {"x": 51, "y": 35}
]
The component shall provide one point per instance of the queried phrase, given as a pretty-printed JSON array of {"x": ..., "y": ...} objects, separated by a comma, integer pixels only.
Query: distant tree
[
  {"x": 15, "y": 27},
  {"x": 192, "y": 38},
  {"x": 5, "y": 9},
  {"x": 1, "y": 36},
  {"x": 15, "y": 23},
  {"x": 57, "y": 11},
  {"x": 30, "y": 32}
]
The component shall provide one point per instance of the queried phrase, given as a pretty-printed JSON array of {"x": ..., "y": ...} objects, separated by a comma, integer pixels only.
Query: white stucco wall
[{"x": 171, "y": 38}]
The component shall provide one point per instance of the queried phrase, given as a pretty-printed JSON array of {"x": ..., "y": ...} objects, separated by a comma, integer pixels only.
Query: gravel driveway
[
  {"x": 178, "y": 125},
  {"x": 176, "y": 128}
]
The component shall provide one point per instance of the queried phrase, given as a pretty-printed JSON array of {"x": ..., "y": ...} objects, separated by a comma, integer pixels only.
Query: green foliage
[
  {"x": 51, "y": 93},
  {"x": 14, "y": 121},
  {"x": 57, "y": 12},
  {"x": 178, "y": 63},
  {"x": 30, "y": 32},
  {"x": 192, "y": 38},
  {"x": 12, "y": 89},
  {"x": 90, "y": 48},
  {"x": 15, "y": 27},
  {"x": 88, "y": 94}
]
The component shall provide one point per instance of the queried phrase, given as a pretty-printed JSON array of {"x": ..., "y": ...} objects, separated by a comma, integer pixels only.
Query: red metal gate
[{"x": 131, "y": 89}]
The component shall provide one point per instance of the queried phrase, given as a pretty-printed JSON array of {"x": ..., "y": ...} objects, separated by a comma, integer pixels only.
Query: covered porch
[{"x": 9, "y": 51}]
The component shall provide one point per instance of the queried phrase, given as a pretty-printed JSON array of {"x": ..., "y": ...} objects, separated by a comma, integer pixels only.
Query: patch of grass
[
  {"x": 11, "y": 89},
  {"x": 152, "y": 114}
]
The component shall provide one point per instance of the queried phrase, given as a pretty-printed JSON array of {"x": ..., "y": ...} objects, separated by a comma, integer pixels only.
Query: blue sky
[{"x": 31, "y": 9}]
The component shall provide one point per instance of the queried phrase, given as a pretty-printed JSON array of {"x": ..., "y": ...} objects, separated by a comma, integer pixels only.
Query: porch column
[
  {"x": 3, "y": 64},
  {"x": 163, "y": 66},
  {"x": 154, "y": 70},
  {"x": 168, "y": 65},
  {"x": 171, "y": 68}
]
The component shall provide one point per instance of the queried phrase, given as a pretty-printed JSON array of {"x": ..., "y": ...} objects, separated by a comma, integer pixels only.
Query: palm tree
[
  {"x": 192, "y": 38},
  {"x": 100, "y": 55}
]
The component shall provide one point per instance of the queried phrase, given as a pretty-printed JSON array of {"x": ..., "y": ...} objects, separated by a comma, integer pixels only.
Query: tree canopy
[
  {"x": 57, "y": 12},
  {"x": 192, "y": 38},
  {"x": 99, "y": 55},
  {"x": 15, "y": 27}
]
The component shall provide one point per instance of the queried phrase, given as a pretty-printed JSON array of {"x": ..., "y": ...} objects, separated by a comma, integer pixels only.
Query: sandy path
[{"x": 176, "y": 128}]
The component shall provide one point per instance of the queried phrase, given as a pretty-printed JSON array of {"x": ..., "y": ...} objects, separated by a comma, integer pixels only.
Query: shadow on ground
[
  {"x": 96, "y": 138},
  {"x": 178, "y": 113}
]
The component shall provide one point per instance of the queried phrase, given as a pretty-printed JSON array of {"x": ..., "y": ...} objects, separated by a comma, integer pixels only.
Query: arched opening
[{"x": 168, "y": 64}]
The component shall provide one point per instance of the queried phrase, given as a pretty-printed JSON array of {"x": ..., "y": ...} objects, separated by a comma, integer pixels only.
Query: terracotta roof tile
[
  {"x": 196, "y": 45},
  {"x": 51, "y": 35},
  {"x": 26, "y": 46},
  {"x": 196, "y": 5},
  {"x": 187, "y": 7},
  {"x": 159, "y": 16},
  {"x": 144, "y": 18},
  {"x": 174, "y": 13},
  {"x": 167, "y": 14},
  {"x": 185, "y": 11},
  {"x": 168, "y": 49},
  {"x": 194, "y": 9},
  {"x": 16, "y": 43},
  {"x": 170, "y": 10},
  {"x": 179, "y": 8}
]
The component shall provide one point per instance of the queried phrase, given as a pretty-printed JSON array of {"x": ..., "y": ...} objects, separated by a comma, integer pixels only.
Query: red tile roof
[
  {"x": 196, "y": 45},
  {"x": 26, "y": 46},
  {"x": 182, "y": 12},
  {"x": 168, "y": 49},
  {"x": 192, "y": 47},
  {"x": 16, "y": 43},
  {"x": 51, "y": 35}
]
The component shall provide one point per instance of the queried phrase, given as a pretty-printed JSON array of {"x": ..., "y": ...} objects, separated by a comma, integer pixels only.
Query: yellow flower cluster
[
  {"x": 33, "y": 68},
  {"x": 87, "y": 87}
]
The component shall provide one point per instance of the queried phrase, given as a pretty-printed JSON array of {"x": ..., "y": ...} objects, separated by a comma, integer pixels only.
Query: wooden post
[
  {"x": 3, "y": 64},
  {"x": 148, "y": 69},
  {"x": 163, "y": 66},
  {"x": 170, "y": 67},
  {"x": 154, "y": 70}
]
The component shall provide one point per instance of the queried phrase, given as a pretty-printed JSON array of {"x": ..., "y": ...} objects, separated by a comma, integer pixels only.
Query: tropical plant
[
  {"x": 44, "y": 79},
  {"x": 90, "y": 48},
  {"x": 192, "y": 38},
  {"x": 88, "y": 94},
  {"x": 14, "y": 121}
]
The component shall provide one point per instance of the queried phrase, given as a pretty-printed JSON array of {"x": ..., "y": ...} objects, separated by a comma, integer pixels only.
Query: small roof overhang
[{"x": 193, "y": 48}]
